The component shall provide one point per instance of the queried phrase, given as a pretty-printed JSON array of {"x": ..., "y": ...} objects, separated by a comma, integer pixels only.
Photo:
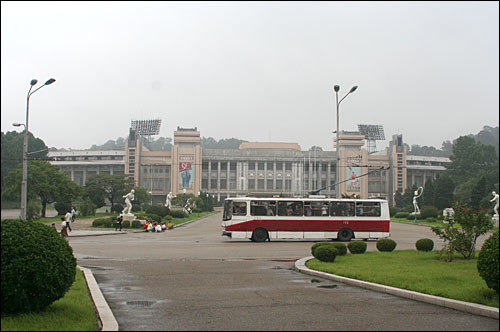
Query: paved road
[{"x": 191, "y": 278}]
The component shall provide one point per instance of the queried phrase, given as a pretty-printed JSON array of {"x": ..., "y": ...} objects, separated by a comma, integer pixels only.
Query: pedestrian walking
[
  {"x": 73, "y": 214},
  {"x": 64, "y": 229},
  {"x": 68, "y": 219},
  {"x": 119, "y": 223}
]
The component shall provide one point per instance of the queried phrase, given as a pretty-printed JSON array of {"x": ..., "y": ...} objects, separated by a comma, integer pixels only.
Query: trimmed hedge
[
  {"x": 38, "y": 266},
  {"x": 316, "y": 245},
  {"x": 424, "y": 244},
  {"x": 341, "y": 248},
  {"x": 386, "y": 245},
  {"x": 357, "y": 247},
  {"x": 487, "y": 262},
  {"x": 326, "y": 253}
]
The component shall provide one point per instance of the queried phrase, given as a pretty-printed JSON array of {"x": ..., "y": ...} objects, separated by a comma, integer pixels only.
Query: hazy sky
[{"x": 258, "y": 71}]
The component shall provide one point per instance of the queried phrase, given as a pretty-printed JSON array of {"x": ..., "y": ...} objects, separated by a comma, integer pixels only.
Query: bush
[
  {"x": 402, "y": 214},
  {"x": 432, "y": 219},
  {"x": 177, "y": 213},
  {"x": 136, "y": 224},
  {"x": 167, "y": 218},
  {"x": 159, "y": 210},
  {"x": 424, "y": 245},
  {"x": 87, "y": 208},
  {"x": 34, "y": 210},
  {"x": 393, "y": 211},
  {"x": 38, "y": 266},
  {"x": 104, "y": 222},
  {"x": 326, "y": 253},
  {"x": 316, "y": 245},
  {"x": 429, "y": 212},
  {"x": 386, "y": 245},
  {"x": 356, "y": 247},
  {"x": 341, "y": 248},
  {"x": 487, "y": 263},
  {"x": 153, "y": 217},
  {"x": 125, "y": 223}
]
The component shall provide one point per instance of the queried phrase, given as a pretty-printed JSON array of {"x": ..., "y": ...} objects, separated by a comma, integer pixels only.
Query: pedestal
[
  {"x": 128, "y": 216},
  {"x": 495, "y": 220}
]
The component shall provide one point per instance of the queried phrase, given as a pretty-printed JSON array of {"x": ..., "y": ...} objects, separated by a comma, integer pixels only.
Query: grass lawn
[
  {"x": 416, "y": 271},
  {"x": 74, "y": 312}
]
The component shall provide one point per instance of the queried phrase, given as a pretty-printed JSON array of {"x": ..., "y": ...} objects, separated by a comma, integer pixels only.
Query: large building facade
[{"x": 257, "y": 168}]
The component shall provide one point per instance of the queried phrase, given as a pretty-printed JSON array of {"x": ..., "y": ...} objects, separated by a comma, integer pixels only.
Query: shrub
[
  {"x": 356, "y": 247},
  {"x": 392, "y": 211},
  {"x": 402, "y": 214},
  {"x": 34, "y": 209},
  {"x": 167, "y": 218},
  {"x": 424, "y": 245},
  {"x": 341, "y": 248},
  {"x": 159, "y": 210},
  {"x": 104, "y": 222},
  {"x": 432, "y": 219},
  {"x": 177, "y": 213},
  {"x": 125, "y": 224},
  {"x": 316, "y": 245},
  {"x": 429, "y": 212},
  {"x": 326, "y": 253},
  {"x": 136, "y": 224},
  {"x": 87, "y": 208},
  {"x": 487, "y": 263},
  {"x": 38, "y": 266},
  {"x": 386, "y": 245},
  {"x": 153, "y": 217}
]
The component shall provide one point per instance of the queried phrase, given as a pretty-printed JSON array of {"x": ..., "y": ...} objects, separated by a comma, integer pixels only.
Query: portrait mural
[{"x": 186, "y": 176}]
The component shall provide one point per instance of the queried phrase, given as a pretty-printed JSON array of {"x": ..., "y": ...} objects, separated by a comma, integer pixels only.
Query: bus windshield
[{"x": 228, "y": 209}]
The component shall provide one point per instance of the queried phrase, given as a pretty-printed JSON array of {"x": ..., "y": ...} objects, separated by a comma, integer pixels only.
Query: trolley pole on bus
[{"x": 336, "y": 88}]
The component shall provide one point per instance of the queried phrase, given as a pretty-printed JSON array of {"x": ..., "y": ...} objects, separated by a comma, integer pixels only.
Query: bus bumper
[{"x": 228, "y": 234}]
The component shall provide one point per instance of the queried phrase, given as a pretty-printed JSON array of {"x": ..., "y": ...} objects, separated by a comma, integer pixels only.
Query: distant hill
[{"x": 488, "y": 136}]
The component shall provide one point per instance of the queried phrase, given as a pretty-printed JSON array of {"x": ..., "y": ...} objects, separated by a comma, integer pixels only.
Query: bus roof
[{"x": 312, "y": 198}]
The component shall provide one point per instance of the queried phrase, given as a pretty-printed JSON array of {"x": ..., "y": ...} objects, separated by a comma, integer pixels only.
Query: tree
[
  {"x": 315, "y": 148},
  {"x": 12, "y": 151},
  {"x": 443, "y": 191},
  {"x": 111, "y": 187},
  {"x": 45, "y": 182},
  {"x": 473, "y": 222}
]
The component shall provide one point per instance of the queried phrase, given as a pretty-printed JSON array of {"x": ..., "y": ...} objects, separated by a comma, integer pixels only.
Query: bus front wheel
[
  {"x": 259, "y": 235},
  {"x": 345, "y": 234}
]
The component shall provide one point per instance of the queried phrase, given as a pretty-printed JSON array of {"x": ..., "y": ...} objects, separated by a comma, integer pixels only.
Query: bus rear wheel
[
  {"x": 345, "y": 234},
  {"x": 259, "y": 235}
]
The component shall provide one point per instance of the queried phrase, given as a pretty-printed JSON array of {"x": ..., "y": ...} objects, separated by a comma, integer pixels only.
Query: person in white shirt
[
  {"x": 68, "y": 220},
  {"x": 158, "y": 228}
]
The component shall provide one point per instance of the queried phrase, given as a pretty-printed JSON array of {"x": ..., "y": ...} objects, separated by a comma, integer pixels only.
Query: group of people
[
  {"x": 68, "y": 218},
  {"x": 156, "y": 227}
]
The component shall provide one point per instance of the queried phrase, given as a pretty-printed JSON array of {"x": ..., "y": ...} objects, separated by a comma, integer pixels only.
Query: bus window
[
  {"x": 239, "y": 208},
  {"x": 227, "y": 210},
  {"x": 343, "y": 209},
  {"x": 368, "y": 209},
  {"x": 292, "y": 208},
  {"x": 263, "y": 208},
  {"x": 316, "y": 208}
]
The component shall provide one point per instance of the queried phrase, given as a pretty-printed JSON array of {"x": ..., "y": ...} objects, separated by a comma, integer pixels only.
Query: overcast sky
[{"x": 258, "y": 71}]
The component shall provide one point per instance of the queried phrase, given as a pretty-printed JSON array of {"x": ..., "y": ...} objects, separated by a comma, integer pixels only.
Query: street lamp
[
  {"x": 24, "y": 183},
  {"x": 336, "y": 88}
]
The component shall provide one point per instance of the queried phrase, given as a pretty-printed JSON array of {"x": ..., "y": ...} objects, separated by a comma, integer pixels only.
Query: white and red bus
[{"x": 260, "y": 219}]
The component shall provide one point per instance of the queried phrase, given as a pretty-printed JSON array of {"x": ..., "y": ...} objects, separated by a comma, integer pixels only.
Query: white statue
[
  {"x": 128, "y": 198},
  {"x": 495, "y": 199},
  {"x": 168, "y": 203},
  {"x": 417, "y": 195},
  {"x": 187, "y": 207}
]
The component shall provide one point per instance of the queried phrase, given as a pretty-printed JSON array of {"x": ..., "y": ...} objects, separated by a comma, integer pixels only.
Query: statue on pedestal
[
  {"x": 128, "y": 198},
  {"x": 168, "y": 203},
  {"x": 495, "y": 199},
  {"x": 417, "y": 193}
]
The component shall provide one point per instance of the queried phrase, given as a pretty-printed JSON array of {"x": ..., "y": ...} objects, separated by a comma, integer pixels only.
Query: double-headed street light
[
  {"x": 336, "y": 88},
  {"x": 24, "y": 183}
]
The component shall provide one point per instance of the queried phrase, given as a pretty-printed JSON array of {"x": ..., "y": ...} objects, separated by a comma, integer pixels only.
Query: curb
[
  {"x": 473, "y": 308},
  {"x": 104, "y": 313}
]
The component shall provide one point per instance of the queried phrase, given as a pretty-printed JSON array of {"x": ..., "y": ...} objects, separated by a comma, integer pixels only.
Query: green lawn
[
  {"x": 74, "y": 312},
  {"x": 414, "y": 270}
]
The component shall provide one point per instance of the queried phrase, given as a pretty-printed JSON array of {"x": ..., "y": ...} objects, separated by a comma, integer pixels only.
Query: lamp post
[
  {"x": 24, "y": 183},
  {"x": 336, "y": 88}
]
